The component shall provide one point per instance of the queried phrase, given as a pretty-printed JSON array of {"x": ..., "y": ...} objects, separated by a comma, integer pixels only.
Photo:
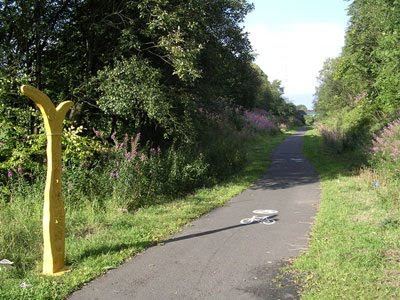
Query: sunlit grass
[{"x": 355, "y": 250}]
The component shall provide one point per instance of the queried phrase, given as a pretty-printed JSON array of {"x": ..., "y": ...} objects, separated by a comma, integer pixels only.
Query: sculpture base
[{"x": 59, "y": 273}]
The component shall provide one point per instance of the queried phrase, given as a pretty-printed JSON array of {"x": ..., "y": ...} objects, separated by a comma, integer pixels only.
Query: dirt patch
[
  {"x": 364, "y": 217},
  {"x": 85, "y": 232},
  {"x": 392, "y": 278},
  {"x": 392, "y": 255},
  {"x": 272, "y": 281}
]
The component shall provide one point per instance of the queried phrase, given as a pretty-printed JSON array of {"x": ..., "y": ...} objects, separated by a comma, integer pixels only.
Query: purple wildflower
[
  {"x": 19, "y": 170},
  {"x": 114, "y": 174},
  {"x": 97, "y": 133},
  {"x": 10, "y": 173},
  {"x": 259, "y": 121},
  {"x": 386, "y": 142}
]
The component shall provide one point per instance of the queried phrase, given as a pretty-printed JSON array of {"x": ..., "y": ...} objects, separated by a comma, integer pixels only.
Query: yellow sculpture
[{"x": 53, "y": 208}]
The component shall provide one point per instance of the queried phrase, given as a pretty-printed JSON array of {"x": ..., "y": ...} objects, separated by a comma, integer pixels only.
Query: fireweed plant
[
  {"x": 332, "y": 138},
  {"x": 260, "y": 121},
  {"x": 385, "y": 148},
  {"x": 133, "y": 174}
]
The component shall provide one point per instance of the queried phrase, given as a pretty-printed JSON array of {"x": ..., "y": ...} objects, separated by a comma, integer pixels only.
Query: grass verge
[
  {"x": 354, "y": 251},
  {"x": 98, "y": 239}
]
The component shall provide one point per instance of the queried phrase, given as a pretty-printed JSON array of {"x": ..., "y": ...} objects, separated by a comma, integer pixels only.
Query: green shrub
[
  {"x": 19, "y": 149},
  {"x": 309, "y": 120},
  {"x": 79, "y": 149}
]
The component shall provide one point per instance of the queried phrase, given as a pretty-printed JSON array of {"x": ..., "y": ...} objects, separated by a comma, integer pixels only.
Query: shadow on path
[{"x": 194, "y": 235}]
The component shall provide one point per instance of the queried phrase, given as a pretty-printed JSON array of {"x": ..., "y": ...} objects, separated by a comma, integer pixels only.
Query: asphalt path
[{"x": 217, "y": 257}]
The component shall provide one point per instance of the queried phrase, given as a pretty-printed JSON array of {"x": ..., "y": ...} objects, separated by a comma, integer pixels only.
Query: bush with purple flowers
[
  {"x": 385, "y": 148},
  {"x": 259, "y": 120},
  {"x": 386, "y": 143},
  {"x": 132, "y": 175},
  {"x": 333, "y": 138}
]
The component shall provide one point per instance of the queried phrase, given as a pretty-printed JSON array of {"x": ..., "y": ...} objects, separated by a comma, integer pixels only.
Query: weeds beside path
[
  {"x": 112, "y": 236},
  {"x": 355, "y": 250}
]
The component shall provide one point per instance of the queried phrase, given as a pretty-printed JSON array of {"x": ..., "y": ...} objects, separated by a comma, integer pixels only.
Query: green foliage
[
  {"x": 132, "y": 91},
  {"x": 330, "y": 94},
  {"x": 79, "y": 149},
  {"x": 130, "y": 88},
  {"x": 309, "y": 120},
  {"x": 28, "y": 154},
  {"x": 146, "y": 66},
  {"x": 18, "y": 149},
  {"x": 223, "y": 154},
  {"x": 270, "y": 97},
  {"x": 150, "y": 61},
  {"x": 361, "y": 86},
  {"x": 302, "y": 107}
]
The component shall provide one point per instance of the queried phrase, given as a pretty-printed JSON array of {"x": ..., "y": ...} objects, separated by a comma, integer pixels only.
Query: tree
[
  {"x": 196, "y": 52},
  {"x": 302, "y": 107},
  {"x": 359, "y": 88}
]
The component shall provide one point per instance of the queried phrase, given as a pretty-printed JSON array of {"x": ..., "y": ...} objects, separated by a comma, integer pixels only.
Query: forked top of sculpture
[{"x": 53, "y": 116}]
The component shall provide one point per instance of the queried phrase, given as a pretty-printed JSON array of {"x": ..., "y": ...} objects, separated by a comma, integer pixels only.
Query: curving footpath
[{"x": 216, "y": 257}]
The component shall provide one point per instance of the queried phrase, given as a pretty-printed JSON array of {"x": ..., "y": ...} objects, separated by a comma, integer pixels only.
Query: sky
[{"x": 292, "y": 39}]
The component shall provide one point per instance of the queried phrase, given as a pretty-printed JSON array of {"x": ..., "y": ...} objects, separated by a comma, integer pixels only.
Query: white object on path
[
  {"x": 265, "y": 211},
  {"x": 6, "y": 262},
  {"x": 266, "y": 220}
]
